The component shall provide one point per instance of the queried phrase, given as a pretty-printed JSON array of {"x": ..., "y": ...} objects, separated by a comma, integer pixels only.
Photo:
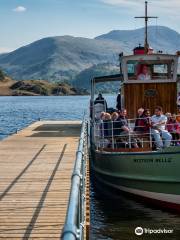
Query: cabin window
[
  {"x": 161, "y": 71},
  {"x": 132, "y": 67},
  {"x": 178, "y": 70},
  {"x": 150, "y": 70}
]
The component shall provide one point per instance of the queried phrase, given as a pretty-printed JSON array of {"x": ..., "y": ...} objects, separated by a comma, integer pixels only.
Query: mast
[{"x": 146, "y": 18}]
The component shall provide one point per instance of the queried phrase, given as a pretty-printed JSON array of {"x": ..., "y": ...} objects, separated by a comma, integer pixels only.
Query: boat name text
[{"x": 153, "y": 160}]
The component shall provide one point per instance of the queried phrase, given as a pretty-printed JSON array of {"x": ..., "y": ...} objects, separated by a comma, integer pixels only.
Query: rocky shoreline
[{"x": 9, "y": 87}]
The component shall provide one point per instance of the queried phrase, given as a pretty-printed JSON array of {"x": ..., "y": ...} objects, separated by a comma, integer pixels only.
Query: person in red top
[
  {"x": 143, "y": 123},
  {"x": 178, "y": 116},
  {"x": 173, "y": 127}
]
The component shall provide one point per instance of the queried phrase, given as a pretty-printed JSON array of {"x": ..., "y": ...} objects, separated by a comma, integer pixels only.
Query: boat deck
[{"x": 35, "y": 178}]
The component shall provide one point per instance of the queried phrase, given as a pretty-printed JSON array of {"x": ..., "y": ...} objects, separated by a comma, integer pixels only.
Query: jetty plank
[{"x": 35, "y": 179}]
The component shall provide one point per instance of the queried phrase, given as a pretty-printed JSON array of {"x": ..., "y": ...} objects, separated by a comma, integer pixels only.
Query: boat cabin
[
  {"x": 146, "y": 81},
  {"x": 149, "y": 80}
]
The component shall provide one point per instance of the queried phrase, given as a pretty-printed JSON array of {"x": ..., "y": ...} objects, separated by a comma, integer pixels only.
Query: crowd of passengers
[{"x": 163, "y": 129}]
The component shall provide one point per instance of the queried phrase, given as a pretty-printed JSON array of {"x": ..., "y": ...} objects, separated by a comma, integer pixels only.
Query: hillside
[
  {"x": 43, "y": 88},
  {"x": 83, "y": 79},
  {"x": 57, "y": 58},
  {"x": 75, "y": 59},
  {"x": 9, "y": 87},
  {"x": 5, "y": 84}
]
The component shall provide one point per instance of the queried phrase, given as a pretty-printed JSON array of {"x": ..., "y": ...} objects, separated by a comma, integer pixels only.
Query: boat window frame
[{"x": 153, "y": 57}]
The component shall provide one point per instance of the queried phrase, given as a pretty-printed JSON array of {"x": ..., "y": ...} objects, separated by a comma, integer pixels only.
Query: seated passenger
[
  {"x": 173, "y": 127},
  {"x": 102, "y": 116},
  {"x": 143, "y": 123},
  {"x": 115, "y": 123},
  {"x": 98, "y": 109},
  {"x": 124, "y": 128},
  {"x": 140, "y": 112},
  {"x": 99, "y": 125},
  {"x": 158, "y": 129},
  {"x": 104, "y": 131},
  {"x": 178, "y": 101},
  {"x": 138, "y": 120},
  {"x": 169, "y": 124},
  {"x": 177, "y": 130},
  {"x": 147, "y": 120},
  {"x": 107, "y": 125},
  {"x": 178, "y": 116},
  {"x": 144, "y": 73}
]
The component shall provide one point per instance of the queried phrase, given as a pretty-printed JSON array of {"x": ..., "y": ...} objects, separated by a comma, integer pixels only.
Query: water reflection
[{"x": 115, "y": 216}]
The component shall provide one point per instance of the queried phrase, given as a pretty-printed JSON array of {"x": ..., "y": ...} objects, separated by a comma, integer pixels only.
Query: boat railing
[{"x": 107, "y": 135}]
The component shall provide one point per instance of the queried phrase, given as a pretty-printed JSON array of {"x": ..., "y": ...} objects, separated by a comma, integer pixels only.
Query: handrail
[
  {"x": 112, "y": 135},
  {"x": 141, "y": 118},
  {"x": 139, "y": 126},
  {"x": 74, "y": 223}
]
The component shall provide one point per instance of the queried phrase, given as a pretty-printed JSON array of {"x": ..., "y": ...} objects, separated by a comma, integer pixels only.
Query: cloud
[
  {"x": 132, "y": 3},
  {"x": 159, "y": 7},
  {"x": 19, "y": 9},
  {"x": 119, "y": 2},
  {"x": 166, "y": 11}
]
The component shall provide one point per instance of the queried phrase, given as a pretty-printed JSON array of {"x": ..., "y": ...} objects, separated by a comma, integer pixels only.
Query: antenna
[{"x": 146, "y": 18}]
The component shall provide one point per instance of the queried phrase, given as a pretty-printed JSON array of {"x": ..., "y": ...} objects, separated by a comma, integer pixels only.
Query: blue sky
[{"x": 24, "y": 21}]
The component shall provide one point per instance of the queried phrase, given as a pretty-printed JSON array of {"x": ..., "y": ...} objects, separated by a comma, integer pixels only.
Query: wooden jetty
[{"x": 36, "y": 165}]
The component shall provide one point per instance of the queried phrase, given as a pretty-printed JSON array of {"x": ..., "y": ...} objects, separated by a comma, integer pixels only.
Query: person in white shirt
[
  {"x": 158, "y": 129},
  {"x": 144, "y": 73}
]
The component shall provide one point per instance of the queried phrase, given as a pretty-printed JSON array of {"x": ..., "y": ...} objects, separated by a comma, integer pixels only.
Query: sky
[{"x": 25, "y": 21}]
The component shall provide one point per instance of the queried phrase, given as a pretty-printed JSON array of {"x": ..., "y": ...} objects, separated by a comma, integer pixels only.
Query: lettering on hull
[{"x": 153, "y": 160}]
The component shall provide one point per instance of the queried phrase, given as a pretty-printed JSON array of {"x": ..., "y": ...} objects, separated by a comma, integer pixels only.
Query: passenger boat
[{"x": 150, "y": 174}]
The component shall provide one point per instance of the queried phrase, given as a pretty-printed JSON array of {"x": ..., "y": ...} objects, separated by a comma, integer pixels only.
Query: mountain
[
  {"x": 73, "y": 59},
  {"x": 83, "y": 79},
  {"x": 57, "y": 58},
  {"x": 159, "y": 37}
]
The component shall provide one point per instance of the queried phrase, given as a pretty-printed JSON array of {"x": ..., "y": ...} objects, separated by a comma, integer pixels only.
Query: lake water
[
  {"x": 18, "y": 112},
  {"x": 112, "y": 216}
]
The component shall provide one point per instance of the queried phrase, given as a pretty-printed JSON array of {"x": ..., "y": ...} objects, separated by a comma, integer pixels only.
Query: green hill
[
  {"x": 10, "y": 87},
  {"x": 83, "y": 79}
]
